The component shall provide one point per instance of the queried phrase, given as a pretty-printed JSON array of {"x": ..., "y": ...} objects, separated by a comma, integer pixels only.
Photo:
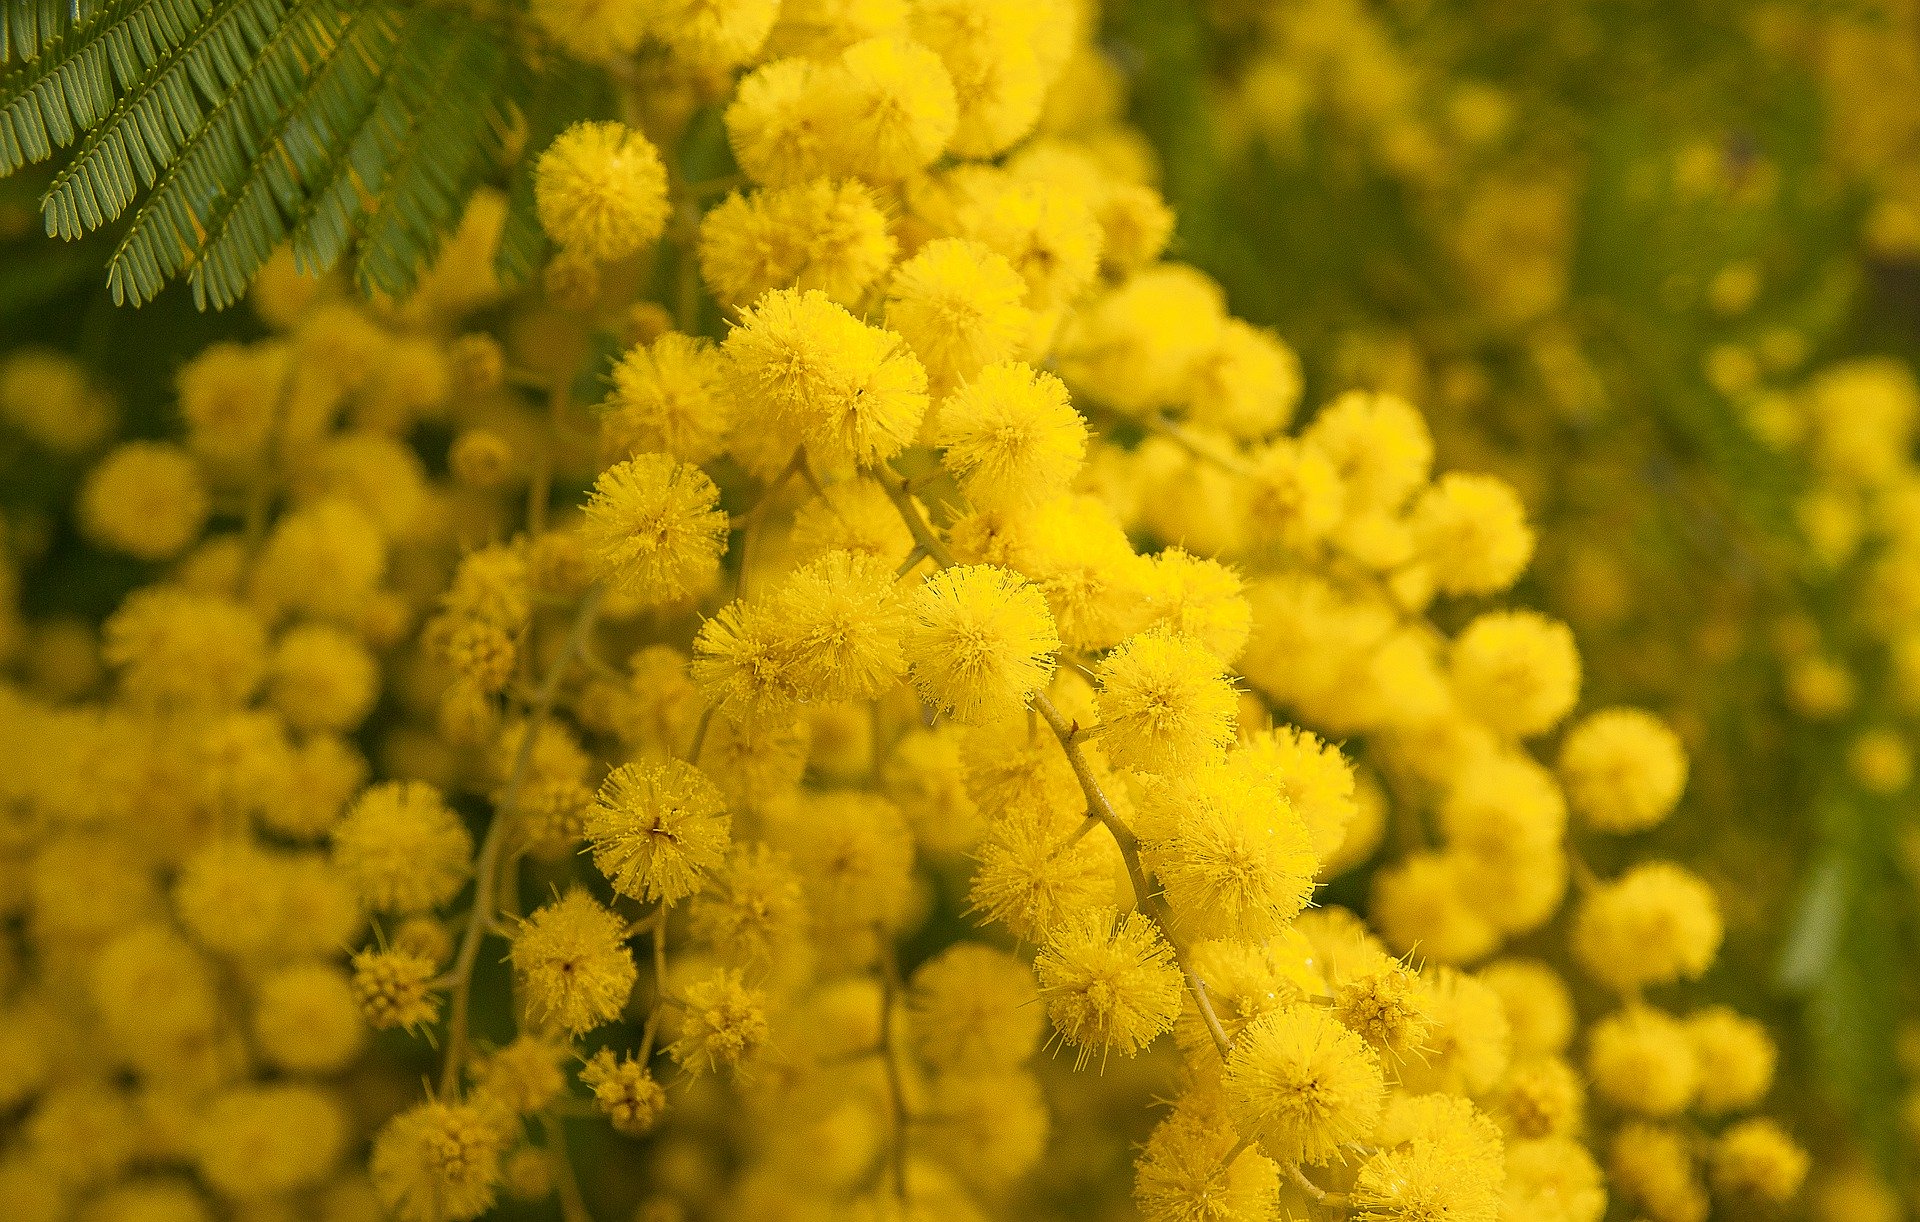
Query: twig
[
  {"x": 573, "y": 1206},
  {"x": 659, "y": 984},
  {"x": 487, "y": 868}
]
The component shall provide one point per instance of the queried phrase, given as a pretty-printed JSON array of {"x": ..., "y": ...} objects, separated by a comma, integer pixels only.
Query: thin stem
[
  {"x": 700, "y": 735},
  {"x": 659, "y": 984},
  {"x": 912, "y": 562},
  {"x": 573, "y": 1206},
  {"x": 1332, "y": 1200},
  {"x": 487, "y": 869},
  {"x": 1239, "y": 1148},
  {"x": 923, "y": 535}
]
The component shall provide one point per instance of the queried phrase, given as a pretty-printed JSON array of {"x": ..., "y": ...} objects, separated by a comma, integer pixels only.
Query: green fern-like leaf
[
  {"x": 155, "y": 118},
  {"x": 453, "y": 139},
  {"x": 343, "y": 127},
  {"x": 47, "y": 102},
  {"x": 224, "y": 168}
]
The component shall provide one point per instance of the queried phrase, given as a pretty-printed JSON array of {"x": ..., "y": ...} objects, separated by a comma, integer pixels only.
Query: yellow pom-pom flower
[
  {"x": 852, "y": 393},
  {"x": 394, "y": 988},
  {"x": 1756, "y": 1162},
  {"x": 841, "y": 621},
  {"x": 670, "y": 396},
  {"x": 306, "y": 1019},
  {"x": 601, "y": 191},
  {"x": 825, "y": 235},
  {"x": 1109, "y": 983},
  {"x": 712, "y": 35},
  {"x": 894, "y": 109},
  {"x": 1623, "y": 769},
  {"x": 1302, "y": 1085},
  {"x": 1517, "y": 671},
  {"x": 574, "y": 968},
  {"x": 1656, "y": 924},
  {"x": 654, "y": 529},
  {"x": 1165, "y": 705},
  {"x": 1034, "y": 875},
  {"x": 980, "y": 641},
  {"x": 1235, "y": 860},
  {"x": 1378, "y": 443},
  {"x": 1011, "y": 438},
  {"x": 402, "y": 847},
  {"x": 1181, "y": 1174},
  {"x": 147, "y": 499},
  {"x": 1472, "y": 533},
  {"x": 972, "y": 1009},
  {"x": 723, "y": 1022},
  {"x": 961, "y": 307},
  {"x": 625, "y": 1091},
  {"x": 1736, "y": 1057},
  {"x": 658, "y": 830},
  {"x": 439, "y": 1161},
  {"x": 1641, "y": 1061}
]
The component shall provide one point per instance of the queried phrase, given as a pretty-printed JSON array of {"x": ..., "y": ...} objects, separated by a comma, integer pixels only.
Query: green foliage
[{"x": 347, "y": 127}]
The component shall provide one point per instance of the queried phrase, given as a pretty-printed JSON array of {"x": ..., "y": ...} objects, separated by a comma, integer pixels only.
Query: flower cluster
[{"x": 935, "y": 641}]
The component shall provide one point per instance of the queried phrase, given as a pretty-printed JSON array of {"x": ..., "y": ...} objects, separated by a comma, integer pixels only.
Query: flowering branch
[
  {"x": 487, "y": 868},
  {"x": 1146, "y": 897}
]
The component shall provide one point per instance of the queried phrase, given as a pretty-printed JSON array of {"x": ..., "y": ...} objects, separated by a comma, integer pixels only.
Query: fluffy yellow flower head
[
  {"x": 850, "y": 392},
  {"x": 722, "y": 1023},
  {"x": 625, "y": 1091},
  {"x": 146, "y": 498},
  {"x": 712, "y": 35},
  {"x": 601, "y": 191},
  {"x": 1198, "y": 598},
  {"x": 439, "y": 1161},
  {"x": 1179, "y": 1175},
  {"x": 981, "y": 641},
  {"x": 1755, "y": 1161},
  {"x": 840, "y": 621},
  {"x": 669, "y": 396},
  {"x": 1641, "y": 1061},
  {"x": 962, "y": 308},
  {"x": 654, "y": 529},
  {"x": 1234, "y": 859},
  {"x": 394, "y": 988},
  {"x": 1314, "y": 777},
  {"x": 825, "y": 235},
  {"x": 1302, "y": 1085},
  {"x": 1736, "y": 1058},
  {"x": 1247, "y": 384},
  {"x": 658, "y": 830},
  {"x": 1035, "y": 875},
  {"x": 972, "y": 1009},
  {"x": 1165, "y": 705},
  {"x": 1623, "y": 769},
  {"x": 1517, "y": 671},
  {"x": 402, "y": 847},
  {"x": 1653, "y": 1166},
  {"x": 306, "y": 1019},
  {"x": 572, "y": 960},
  {"x": 1472, "y": 532},
  {"x": 1011, "y": 438},
  {"x": 896, "y": 109},
  {"x": 1109, "y": 982},
  {"x": 1378, "y": 443},
  {"x": 1656, "y": 924}
]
